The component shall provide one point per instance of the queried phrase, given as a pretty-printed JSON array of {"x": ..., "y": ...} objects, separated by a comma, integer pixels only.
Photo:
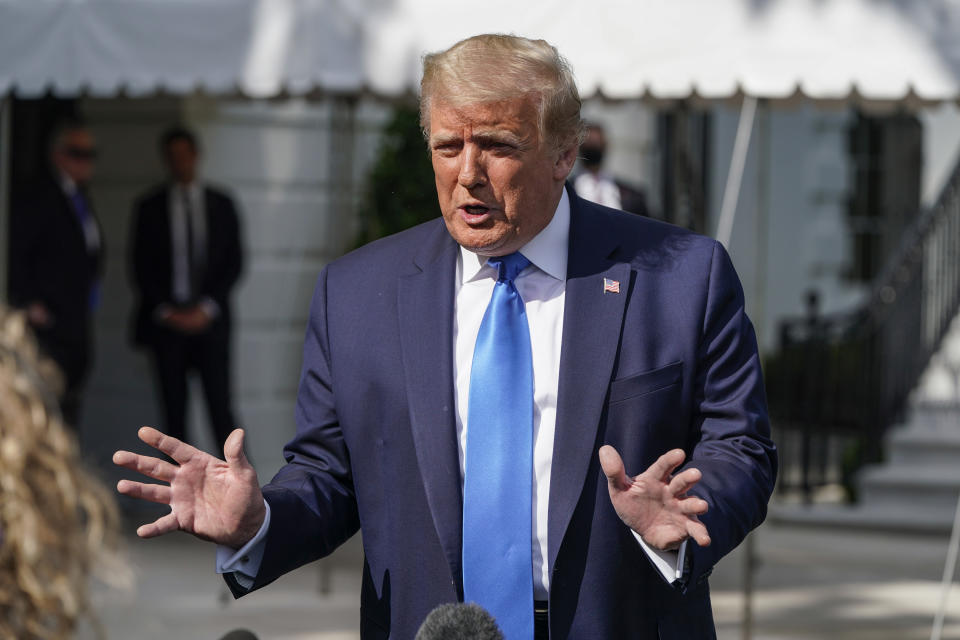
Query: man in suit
[
  {"x": 186, "y": 258},
  {"x": 56, "y": 259},
  {"x": 474, "y": 389},
  {"x": 596, "y": 185}
]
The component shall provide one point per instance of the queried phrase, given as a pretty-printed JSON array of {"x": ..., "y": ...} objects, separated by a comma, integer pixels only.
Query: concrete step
[
  {"x": 899, "y": 486},
  {"x": 925, "y": 446},
  {"x": 915, "y": 490},
  {"x": 867, "y": 517},
  {"x": 935, "y": 415}
]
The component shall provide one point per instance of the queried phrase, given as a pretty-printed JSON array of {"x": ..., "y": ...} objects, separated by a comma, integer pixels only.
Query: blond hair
[
  {"x": 57, "y": 523},
  {"x": 495, "y": 67}
]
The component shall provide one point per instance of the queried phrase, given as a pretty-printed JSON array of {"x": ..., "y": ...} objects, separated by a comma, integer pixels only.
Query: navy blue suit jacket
[{"x": 670, "y": 361}]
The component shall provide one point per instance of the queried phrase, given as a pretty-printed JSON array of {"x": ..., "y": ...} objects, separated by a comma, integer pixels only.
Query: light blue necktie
[
  {"x": 82, "y": 211},
  {"x": 497, "y": 511}
]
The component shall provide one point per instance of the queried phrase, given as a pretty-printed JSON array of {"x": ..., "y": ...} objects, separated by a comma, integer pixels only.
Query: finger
[
  {"x": 665, "y": 464},
  {"x": 153, "y": 492},
  {"x": 684, "y": 481},
  {"x": 158, "y": 527},
  {"x": 694, "y": 506},
  {"x": 233, "y": 449},
  {"x": 612, "y": 465},
  {"x": 697, "y": 531},
  {"x": 179, "y": 451},
  {"x": 152, "y": 467}
]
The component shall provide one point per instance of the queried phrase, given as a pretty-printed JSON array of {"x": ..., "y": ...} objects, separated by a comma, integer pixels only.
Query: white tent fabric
[
  {"x": 103, "y": 47},
  {"x": 873, "y": 50},
  {"x": 867, "y": 50}
]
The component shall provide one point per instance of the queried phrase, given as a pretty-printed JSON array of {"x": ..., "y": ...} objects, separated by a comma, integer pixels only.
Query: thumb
[
  {"x": 233, "y": 449},
  {"x": 612, "y": 465}
]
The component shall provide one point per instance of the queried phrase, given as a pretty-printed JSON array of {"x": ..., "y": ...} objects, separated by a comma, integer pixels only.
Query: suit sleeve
[
  {"x": 144, "y": 263},
  {"x": 732, "y": 445},
  {"x": 225, "y": 272},
  {"x": 312, "y": 500},
  {"x": 23, "y": 238}
]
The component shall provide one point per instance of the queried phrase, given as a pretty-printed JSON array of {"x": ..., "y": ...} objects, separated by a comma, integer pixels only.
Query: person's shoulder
[
  {"x": 152, "y": 196},
  {"x": 640, "y": 234},
  {"x": 218, "y": 193},
  {"x": 397, "y": 251},
  {"x": 38, "y": 192}
]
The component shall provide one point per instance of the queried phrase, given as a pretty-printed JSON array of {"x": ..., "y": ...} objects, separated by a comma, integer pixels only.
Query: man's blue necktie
[
  {"x": 82, "y": 211},
  {"x": 497, "y": 493}
]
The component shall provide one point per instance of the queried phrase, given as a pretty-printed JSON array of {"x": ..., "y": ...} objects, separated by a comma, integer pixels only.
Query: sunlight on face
[{"x": 498, "y": 182}]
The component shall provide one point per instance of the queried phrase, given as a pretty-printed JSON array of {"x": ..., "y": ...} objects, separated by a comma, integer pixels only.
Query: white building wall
[
  {"x": 119, "y": 395},
  {"x": 941, "y": 148},
  {"x": 790, "y": 233}
]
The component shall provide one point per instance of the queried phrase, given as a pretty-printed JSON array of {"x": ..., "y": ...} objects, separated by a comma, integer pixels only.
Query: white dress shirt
[
  {"x": 91, "y": 233},
  {"x": 542, "y": 286},
  {"x": 180, "y": 267},
  {"x": 599, "y": 188},
  {"x": 178, "y": 235}
]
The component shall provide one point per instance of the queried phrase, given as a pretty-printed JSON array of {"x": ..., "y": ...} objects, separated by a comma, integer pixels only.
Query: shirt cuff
[
  {"x": 244, "y": 563},
  {"x": 161, "y": 311},
  {"x": 669, "y": 563},
  {"x": 210, "y": 307}
]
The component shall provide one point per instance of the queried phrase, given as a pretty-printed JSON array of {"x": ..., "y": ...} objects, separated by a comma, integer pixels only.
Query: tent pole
[
  {"x": 949, "y": 567},
  {"x": 731, "y": 192},
  {"x": 6, "y": 115},
  {"x": 761, "y": 242}
]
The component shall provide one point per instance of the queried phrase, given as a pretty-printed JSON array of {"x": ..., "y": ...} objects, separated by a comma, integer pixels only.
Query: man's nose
[{"x": 472, "y": 173}]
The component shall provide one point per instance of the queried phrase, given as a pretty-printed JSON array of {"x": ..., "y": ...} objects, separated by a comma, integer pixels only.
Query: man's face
[
  {"x": 75, "y": 155},
  {"x": 593, "y": 148},
  {"x": 498, "y": 182},
  {"x": 181, "y": 158}
]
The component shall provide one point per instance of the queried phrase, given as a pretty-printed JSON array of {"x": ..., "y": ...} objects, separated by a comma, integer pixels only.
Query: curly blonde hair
[{"x": 57, "y": 522}]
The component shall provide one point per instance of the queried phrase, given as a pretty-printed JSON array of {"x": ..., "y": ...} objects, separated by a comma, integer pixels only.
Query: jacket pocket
[{"x": 646, "y": 382}]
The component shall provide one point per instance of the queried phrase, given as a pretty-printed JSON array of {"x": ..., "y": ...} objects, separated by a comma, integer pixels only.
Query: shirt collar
[
  {"x": 193, "y": 188},
  {"x": 67, "y": 184},
  {"x": 547, "y": 250}
]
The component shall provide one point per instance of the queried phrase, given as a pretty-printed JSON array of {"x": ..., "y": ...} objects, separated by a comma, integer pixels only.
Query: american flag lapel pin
[{"x": 611, "y": 286}]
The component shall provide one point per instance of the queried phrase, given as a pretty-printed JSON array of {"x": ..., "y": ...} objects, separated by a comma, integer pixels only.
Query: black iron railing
[{"x": 849, "y": 376}]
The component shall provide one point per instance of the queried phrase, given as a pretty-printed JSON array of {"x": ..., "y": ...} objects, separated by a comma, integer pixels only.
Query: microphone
[
  {"x": 239, "y": 634},
  {"x": 459, "y": 621}
]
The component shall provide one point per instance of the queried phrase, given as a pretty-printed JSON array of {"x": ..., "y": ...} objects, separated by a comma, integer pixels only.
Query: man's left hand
[{"x": 655, "y": 503}]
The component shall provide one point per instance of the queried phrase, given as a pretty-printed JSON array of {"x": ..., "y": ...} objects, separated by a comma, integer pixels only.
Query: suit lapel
[
  {"x": 426, "y": 335},
  {"x": 592, "y": 323}
]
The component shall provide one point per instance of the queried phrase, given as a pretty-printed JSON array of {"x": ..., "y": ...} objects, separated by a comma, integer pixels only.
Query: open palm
[
  {"x": 216, "y": 500},
  {"x": 655, "y": 503}
]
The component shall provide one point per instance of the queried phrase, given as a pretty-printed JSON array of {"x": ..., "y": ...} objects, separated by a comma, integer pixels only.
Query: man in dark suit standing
[
  {"x": 475, "y": 388},
  {"x": 186, "y": 258},
  {"x": 56, "y": 259}
]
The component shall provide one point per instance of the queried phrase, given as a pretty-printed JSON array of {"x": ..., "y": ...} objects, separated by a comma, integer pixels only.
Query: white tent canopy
[
  {"x": 867, "y": 50},
  {"x": 259, "y": 48},
  {"x": 879, "y": 50}
]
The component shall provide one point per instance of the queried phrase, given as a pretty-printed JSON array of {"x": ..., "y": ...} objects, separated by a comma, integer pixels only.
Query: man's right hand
[
  {"x": 187, "y": 321},
  {"x": 38, "y": 315},
  {"x": 213, "y": 499}
]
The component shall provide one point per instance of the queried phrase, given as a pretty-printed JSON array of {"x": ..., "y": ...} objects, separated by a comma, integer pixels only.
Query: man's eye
[
  {"x": 447, "y": 149},
  {"x": 502, "y": 147}
]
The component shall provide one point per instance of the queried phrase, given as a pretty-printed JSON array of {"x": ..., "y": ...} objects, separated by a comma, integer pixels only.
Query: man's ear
[{"x": 565, "y": 159}]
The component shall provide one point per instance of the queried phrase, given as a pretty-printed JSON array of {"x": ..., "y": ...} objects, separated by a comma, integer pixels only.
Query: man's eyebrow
[
  {"x": 441, "y": 139},
  {"x": 498, "y": 135}
]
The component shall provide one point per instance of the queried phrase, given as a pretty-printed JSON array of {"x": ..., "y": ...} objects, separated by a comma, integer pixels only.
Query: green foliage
[{"x": 400, "y": 188}]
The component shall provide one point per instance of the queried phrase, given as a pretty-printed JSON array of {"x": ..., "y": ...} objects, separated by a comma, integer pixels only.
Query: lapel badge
[{"x": 611, "y": 286}]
